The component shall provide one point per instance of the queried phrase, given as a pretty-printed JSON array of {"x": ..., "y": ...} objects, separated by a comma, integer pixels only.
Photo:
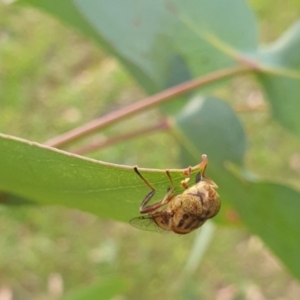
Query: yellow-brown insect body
[
  {"x": 180, "y": 213},
  {"x": 188, "y": 211}
]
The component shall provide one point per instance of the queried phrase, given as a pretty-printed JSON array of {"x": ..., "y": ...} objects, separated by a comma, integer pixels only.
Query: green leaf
[
  {"x": 48, "y": 176},
  {"x": 154, "y": 32},
  {"x": 68, "y": 13},
  {"x": 214, "y": 120},
  {"x": 103, "y": 290},
  {"x": 283, "y": 91},
  {"x": 203, "y": 35},
  {"x": 149, "y": 36},
  {"x": 211, "y": 34},
  {"x": 267, "y": 209}
]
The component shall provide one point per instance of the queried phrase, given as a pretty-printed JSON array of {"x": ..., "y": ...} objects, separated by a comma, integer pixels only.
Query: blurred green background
[{"x": 52, "y": 80}]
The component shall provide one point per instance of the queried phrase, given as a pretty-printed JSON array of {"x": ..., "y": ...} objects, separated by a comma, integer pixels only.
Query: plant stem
[
  {"x": 163, "y": 125},
  {"x": 144, "y": 104}
]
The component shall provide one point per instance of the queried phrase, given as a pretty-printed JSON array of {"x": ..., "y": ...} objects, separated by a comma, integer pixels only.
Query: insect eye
[{"x": 198, "y": 177}]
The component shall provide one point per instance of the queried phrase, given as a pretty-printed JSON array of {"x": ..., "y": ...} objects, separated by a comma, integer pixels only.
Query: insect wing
[{"x": 145, "y": 223}]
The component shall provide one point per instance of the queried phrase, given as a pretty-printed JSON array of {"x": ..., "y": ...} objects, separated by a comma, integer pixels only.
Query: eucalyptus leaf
[
  {"x": 269, "y": 210},
  {"x": 68, "y": 12},
  {"x": 48, "y": 176},
  {"x": 282, "y": 85},
  {"x": 154, "y": 31},
  {"x": 215, "y": 121},
  {"x": 150, "y": 35}
]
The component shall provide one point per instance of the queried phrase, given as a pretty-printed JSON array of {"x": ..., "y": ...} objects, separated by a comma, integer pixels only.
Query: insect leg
[
  {"x": 143, "y": 207},
  {"x": 202, "y": 166},
  {"x": 147, "y": 209},
  {"x": 168, "y": 196},
  {"x": 170, "y": 191},
  {"x": 199, "y": 176},
  {"x": 144, "y": 179},
  {"x": 187, "y": 172}
]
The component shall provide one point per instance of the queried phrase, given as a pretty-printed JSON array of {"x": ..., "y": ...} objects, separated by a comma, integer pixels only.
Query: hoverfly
[{"x": 180, "y": 213}]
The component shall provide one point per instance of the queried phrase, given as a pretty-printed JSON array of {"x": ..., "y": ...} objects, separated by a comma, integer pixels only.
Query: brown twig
[
  {"x": 163, "y": 125},
  {"x": 144, "y": 104}
]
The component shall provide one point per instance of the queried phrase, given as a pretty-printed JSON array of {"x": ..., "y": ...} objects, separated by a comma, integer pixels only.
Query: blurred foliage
[{"x": 51, "y": 81}]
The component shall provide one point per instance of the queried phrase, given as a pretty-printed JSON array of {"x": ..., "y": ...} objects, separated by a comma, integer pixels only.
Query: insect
[{"x": 180, "y": 213}]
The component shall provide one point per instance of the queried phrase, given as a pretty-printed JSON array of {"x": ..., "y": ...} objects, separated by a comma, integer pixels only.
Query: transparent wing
[{"x": 146, "y": 223}]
